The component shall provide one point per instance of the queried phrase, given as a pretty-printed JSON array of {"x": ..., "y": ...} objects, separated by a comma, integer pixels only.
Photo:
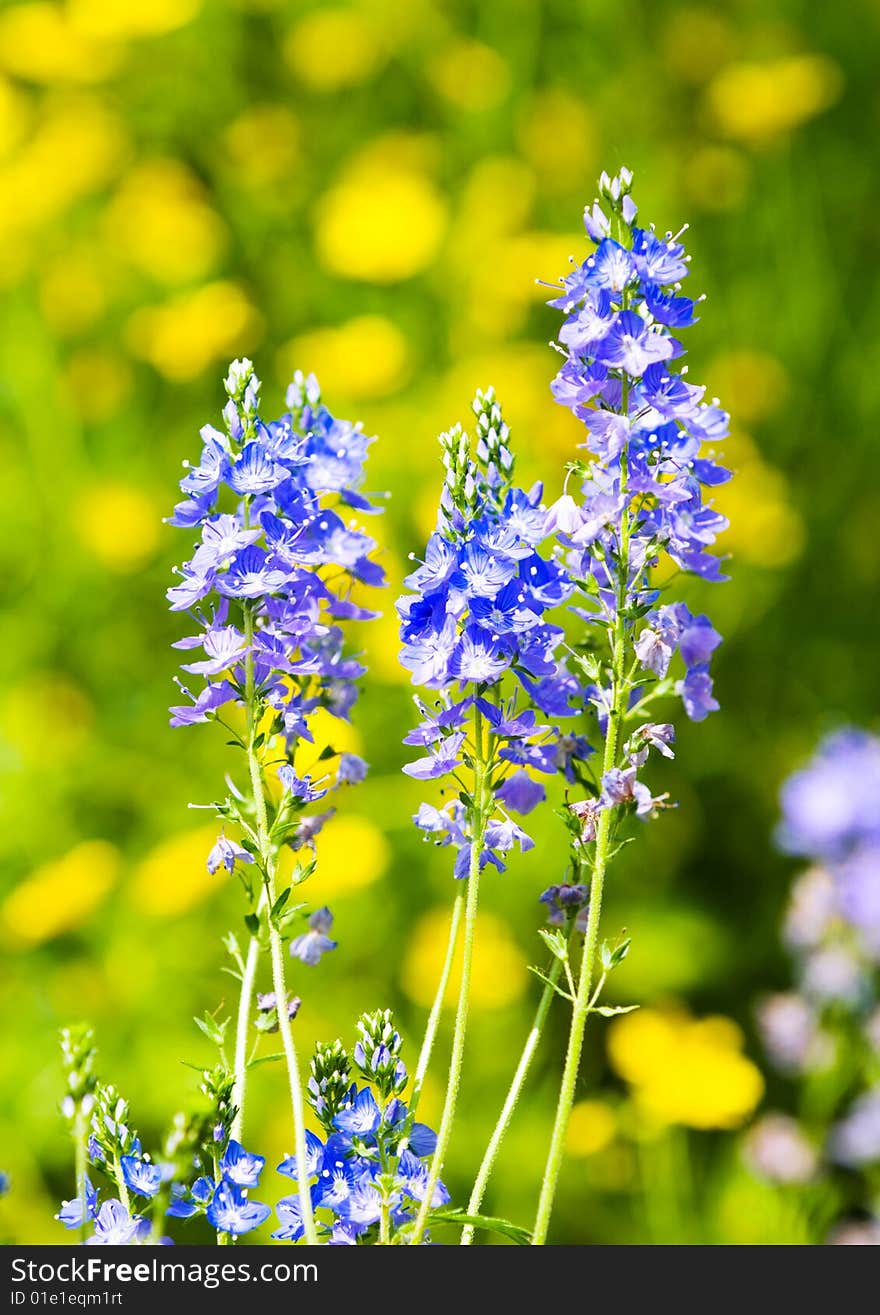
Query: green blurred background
[{"x": 369, "y": 190}]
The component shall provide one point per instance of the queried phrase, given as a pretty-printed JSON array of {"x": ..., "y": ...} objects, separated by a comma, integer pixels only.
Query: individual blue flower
[
  {"x": 231, "y": 1212},
  {"x": 413, "y": 1176},
  {"x": 252, "y": 575},
  {"x": 114, "y": 1226},
  {"x": 362, "y": 1118},
  {"x": 564, "y": 900},
  {"x": 696, "y": 693},
  {"x": 226, "y": 853},
  {"x": 240, "y": 1166},
  {"x": 187, "y": 1202},
  {"x": 300, "y": 789},
  {"x": 478, "y": 658},
  {"x": 352, "y": 769},
  {"x": 521, "y": 793},
  {"x": 633, "y": 345},
  {"x": 363, "y": 1205},
  {"x": 140, "y": 1176},
  {"x": 312, "y": 944},
  {"x": 289, "y": 1211},
  {"x": 314, "y": 1159},
  {"x": 71, "y": 1212},
  {"x": 441, "y": 761},
  {"x": 255, "y": 472}
]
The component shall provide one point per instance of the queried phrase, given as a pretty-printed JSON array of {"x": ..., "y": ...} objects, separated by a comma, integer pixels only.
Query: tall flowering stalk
[
  {"x": 267, "y": 583},
  {"x": 825, "y": 1033},
  {"x": 475, "y": 634},
  {"x": 641, "y": 498}
]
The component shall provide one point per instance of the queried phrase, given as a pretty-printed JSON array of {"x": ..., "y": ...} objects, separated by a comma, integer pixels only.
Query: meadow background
[{"x": 369, "y": 190}]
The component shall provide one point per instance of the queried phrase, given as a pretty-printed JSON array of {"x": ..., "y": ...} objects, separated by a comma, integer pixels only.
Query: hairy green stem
[
  {"x": 242, "y": 1034},
  {"x": 480, "y": 818},
  {"x": 276, "y": 947},
  {"x": 81, "y": 1163},
  {"x": 582, "y": 1005},
  {"x": 434, "y": 1018},
  {"x": 510, "y": 1103}
]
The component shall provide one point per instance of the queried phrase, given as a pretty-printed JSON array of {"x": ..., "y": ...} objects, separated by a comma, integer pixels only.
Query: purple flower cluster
[
  {"x": 831, "y": 1019},
  {"x": 272, "y": 573},
  {"x": 363, "y": 1145},
  {"x": 831, "y": 814},
  {"x": 476, "y": 614},
  {"x": 373, "y": 1158},
  {"x": 643, "y": 491},
  {"x": 224, "y": 1200},
  {"x": 480, "y": 596}
]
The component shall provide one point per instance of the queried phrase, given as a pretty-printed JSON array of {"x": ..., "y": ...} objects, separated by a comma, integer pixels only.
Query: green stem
[
  {"x": 581, "y": 1009},
  {"x": 276, "y": 947},
  {"x": 434, "y": 1018},
  {"x": 242, "y": 1033},
  {"x": 480, "y": 818},
  {"x": 223, "y": 1239},
  {"x": 124, "y": 1197},
  {"x": 510, "y": 1103},
  {"x": 81, "y": 1163}
]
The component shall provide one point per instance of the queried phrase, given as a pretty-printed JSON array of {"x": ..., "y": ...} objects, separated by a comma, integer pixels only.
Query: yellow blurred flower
[
  {"x": 73, "y": 295},
  {"x": 755, "y": 102},
  {"x": 503, "y": 284},
  {"x": 73, "y": 151},
  {"x": 130, "y": 18},
  {"x": 194, "y": 329},
  {"x": 173, "y": 878},
  {"x": 685, "y": 1070},
  {"x": 328, "y": 731},
  {"x": 498, "y": 975},
  {"x": 263, "y": 145},
  {"x": 381, "y": 638},
  {"x": 471, "y": 75},
  {"x": 62, "y": 894},
  {"x": 557, "y": 135},
  {"x": 334, "y": 48},
  {"x": 764, "y": 527},
  {"x": 160, "y": 220},
  {"x": 352, "y": 853},
  {"x": 364, "y": 358},
  {"x": 591, "y": 1128},
  {"x": 383, "y": 219},
  {"x": 47, "y": 708},
  {"x": 752, "y": 385},
  {"x": 98, "y": 381},
  {"x": 118, "y": 524},
  {"x": 697, "y": 41},
  {"x": 40, "y": 43},
  {"x": 14, "y": 116},
  {"x": 716, "y": 177},
  {"x": 512, "y": 185}
]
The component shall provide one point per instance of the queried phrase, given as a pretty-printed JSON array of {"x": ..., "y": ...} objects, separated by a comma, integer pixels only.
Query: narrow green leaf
[
  {"x": 210, "y": 1029},
  {"x": 619, "y": 953},
  {"x": 556, "y": 987},
  {"x": 487, "y": 1223},
  {"x": 608, "y": 1011},
  {"x": 280, "y": 902},
  {"x": 555, "y": 942}
]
